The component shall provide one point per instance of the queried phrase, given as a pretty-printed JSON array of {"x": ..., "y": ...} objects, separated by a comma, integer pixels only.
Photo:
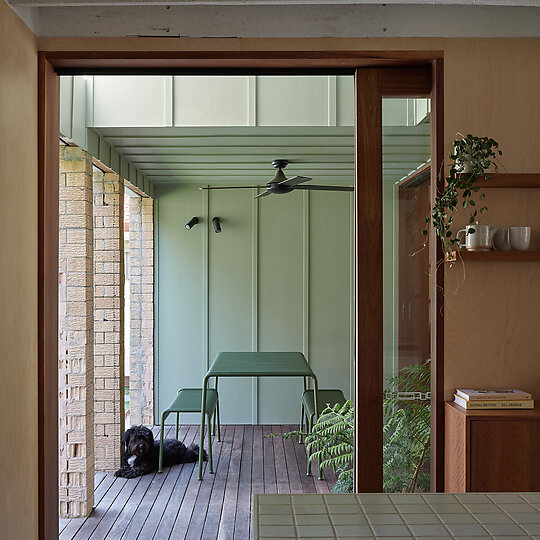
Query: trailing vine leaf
[{"x": 471, "y": 159}]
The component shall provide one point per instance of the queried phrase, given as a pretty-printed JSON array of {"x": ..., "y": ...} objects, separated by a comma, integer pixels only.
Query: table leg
[
  {"x": 164, "y": 415},
  {"x": 316, "y": 403},
  {"x": 203, "y": 414},
  {"x": 315, "y": 416}
]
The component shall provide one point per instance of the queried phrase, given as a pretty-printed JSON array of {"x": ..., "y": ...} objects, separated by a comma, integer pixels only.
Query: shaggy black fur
[{"x": 141, "y": 453}]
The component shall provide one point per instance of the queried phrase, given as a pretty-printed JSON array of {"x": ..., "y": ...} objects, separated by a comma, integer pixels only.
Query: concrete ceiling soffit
[{"x": 281, "y": 18}]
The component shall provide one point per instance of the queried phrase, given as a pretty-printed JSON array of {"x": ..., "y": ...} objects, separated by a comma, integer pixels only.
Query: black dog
[{"x": 141, "y": 453}]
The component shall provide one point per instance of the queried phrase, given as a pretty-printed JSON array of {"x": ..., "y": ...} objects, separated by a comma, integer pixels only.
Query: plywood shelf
[
  {"x": 493, "y": 256},
  {"x": 511, "y": 180}
]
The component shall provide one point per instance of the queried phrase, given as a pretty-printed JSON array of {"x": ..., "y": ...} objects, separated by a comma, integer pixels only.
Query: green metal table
[{"x": 255, "y": 364}]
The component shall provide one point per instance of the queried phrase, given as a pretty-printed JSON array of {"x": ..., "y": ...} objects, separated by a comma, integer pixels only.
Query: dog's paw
[
  {"x": 204, "y": 455},
  {"x": 119, "y": 473}
]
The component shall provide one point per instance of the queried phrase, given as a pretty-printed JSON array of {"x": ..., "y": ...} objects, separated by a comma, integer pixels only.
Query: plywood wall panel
[
  {"x": 19, "y": 278},
  {"x": 491, "y": 311}
]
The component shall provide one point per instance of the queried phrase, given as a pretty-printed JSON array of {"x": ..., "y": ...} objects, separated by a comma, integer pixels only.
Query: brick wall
[
  {"x": 141, "y": 276},
  {"x": 76, "y": 334},
  {"x": 108, "y": 318}
]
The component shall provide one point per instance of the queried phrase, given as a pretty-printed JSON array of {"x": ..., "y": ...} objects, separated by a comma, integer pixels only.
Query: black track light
[
  {"x": 217, "y": 224},
  {"x": 192, "y": 222}
]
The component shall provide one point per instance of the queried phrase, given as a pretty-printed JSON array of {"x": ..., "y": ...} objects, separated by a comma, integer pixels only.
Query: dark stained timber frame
[
  {"x": 378, "y": 74},
  {"x": 372, "y": 85}
]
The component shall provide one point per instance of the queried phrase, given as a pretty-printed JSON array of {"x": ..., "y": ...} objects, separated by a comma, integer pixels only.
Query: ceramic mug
[
  {"x": 476, "y": 237},
  {"x": 501, "y": 240},
  {"x": 520, "y": 238}
]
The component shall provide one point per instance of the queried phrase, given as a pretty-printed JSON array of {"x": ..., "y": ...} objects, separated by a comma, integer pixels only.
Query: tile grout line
[
  {"x": 328, "y": 515},
  {"x": 509, "y": 515}
]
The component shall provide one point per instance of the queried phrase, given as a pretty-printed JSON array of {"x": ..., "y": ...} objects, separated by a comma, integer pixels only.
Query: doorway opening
[{"x": 45, "y": 74}]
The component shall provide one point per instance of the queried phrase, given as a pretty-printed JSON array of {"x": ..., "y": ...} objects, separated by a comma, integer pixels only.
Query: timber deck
[{"x": 176, "y": 505}]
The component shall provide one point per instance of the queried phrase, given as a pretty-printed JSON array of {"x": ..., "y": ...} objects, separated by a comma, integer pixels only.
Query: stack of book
[{"x": 493, "y": 399}]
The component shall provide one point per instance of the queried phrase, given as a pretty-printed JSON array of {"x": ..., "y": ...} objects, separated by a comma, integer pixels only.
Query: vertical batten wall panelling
[
  {"x": 279, "y": 278},
  {"x": 255, "y": 300},
  {"x": 180, "y": 293},
  {"x": 230, "y": 288},
  {"x": 305, "y": 276},
  {"x": 330, "y": 309},
  {"x": 205, "y": 222}
]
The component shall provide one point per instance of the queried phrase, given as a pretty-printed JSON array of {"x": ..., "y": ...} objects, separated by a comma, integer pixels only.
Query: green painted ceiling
[{"x": 243, "y": 155}]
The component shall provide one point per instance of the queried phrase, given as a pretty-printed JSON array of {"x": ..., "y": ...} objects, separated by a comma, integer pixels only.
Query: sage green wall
[{"x": 278, "y": 277}]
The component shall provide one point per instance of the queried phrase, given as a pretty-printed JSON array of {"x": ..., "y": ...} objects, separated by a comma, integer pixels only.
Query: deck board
[
  {"x": 243, "y": 505},
  {"x": 230, "y": 491},
  {"x": 176, "y": 505},
  {"x": 168, "y": 518}
]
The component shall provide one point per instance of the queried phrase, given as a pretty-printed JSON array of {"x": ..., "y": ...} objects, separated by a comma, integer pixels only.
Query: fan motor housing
[
  {"x": 278, "y": 189},
  {"x": 280, "y": 163}
]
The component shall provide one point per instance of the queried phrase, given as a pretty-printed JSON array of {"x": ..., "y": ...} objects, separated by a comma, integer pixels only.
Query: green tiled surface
[{"x": 432, "y": 516}]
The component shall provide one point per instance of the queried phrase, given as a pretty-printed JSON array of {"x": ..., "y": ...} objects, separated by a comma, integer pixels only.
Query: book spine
[
  {"x": 495, "y": 397},
  {"x": 492, "y": 404}
]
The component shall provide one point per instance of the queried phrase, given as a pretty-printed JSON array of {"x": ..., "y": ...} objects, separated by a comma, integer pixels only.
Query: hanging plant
[{"x": 472, "y": 158}]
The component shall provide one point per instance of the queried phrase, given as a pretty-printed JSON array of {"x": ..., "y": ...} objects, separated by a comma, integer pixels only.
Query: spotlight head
[
  {"x": 217, "y": 224},
  {"x": 192, "y": 222}
]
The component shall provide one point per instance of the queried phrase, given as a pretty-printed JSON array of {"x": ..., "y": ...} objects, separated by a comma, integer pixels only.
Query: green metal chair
[
  {"x": 190, "y": 400},
  {"x": 324, "y": 398}
]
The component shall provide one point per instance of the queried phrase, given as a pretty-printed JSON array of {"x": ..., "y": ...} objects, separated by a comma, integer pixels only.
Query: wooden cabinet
[{"x": 495, "y": 450}]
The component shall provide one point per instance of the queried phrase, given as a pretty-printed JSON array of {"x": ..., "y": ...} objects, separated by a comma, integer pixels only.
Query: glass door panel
[{"x": 406, "y": 323}]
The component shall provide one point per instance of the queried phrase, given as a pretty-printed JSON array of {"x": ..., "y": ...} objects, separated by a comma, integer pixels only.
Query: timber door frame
[
  {"x": 384, "y": 73},
  {"x": 372, "y": 85}
]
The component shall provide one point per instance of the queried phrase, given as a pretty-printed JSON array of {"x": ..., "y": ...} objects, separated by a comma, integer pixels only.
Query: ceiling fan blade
[
  {"x": 229, "y": 187},
  {"x": 263, "y": 194},
  {"x": 326, "y": 188},
  {"x": 295, "y": 180}
]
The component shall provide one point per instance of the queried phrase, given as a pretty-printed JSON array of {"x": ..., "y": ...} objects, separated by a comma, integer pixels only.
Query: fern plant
[
  {"x": 406, "y": 435},
  {"x": 407, "y": 430},
  {"x": 331, "y": 443}
]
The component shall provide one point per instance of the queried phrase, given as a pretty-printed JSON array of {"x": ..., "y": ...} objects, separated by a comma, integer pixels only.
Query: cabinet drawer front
[{"x": 504, "y": 455}]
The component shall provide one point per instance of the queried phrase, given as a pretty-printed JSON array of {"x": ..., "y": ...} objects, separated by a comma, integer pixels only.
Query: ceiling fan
[{"x": 281, "y": 184}]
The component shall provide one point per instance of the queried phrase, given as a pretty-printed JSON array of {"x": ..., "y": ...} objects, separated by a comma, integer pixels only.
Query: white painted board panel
[
  {"x": 292, "y": 101},
  {"x": 211, "y": 101},
  {"x": 130, "y": 101},
  {"x": 345, "y": 100}
]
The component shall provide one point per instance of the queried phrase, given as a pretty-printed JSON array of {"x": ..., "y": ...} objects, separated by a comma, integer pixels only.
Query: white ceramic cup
[
  {"x": 520, "y": 238},
  {"x": 501, "y": 240},
  {"x": 476, "y": 237}
]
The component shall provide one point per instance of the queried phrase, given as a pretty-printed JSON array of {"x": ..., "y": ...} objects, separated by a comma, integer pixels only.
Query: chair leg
[
  {"x": 308, "y": 430},
  {"x": 177, "y": 420},
  {"x": 164, "y": 415},
  {"x": 214, "y": 422},
  {"x": 218, "y": 422},
  {"x": 210, "y": 463},
  {"x": 319, "y": 466},
  {"x": 300, "y": 438}
]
